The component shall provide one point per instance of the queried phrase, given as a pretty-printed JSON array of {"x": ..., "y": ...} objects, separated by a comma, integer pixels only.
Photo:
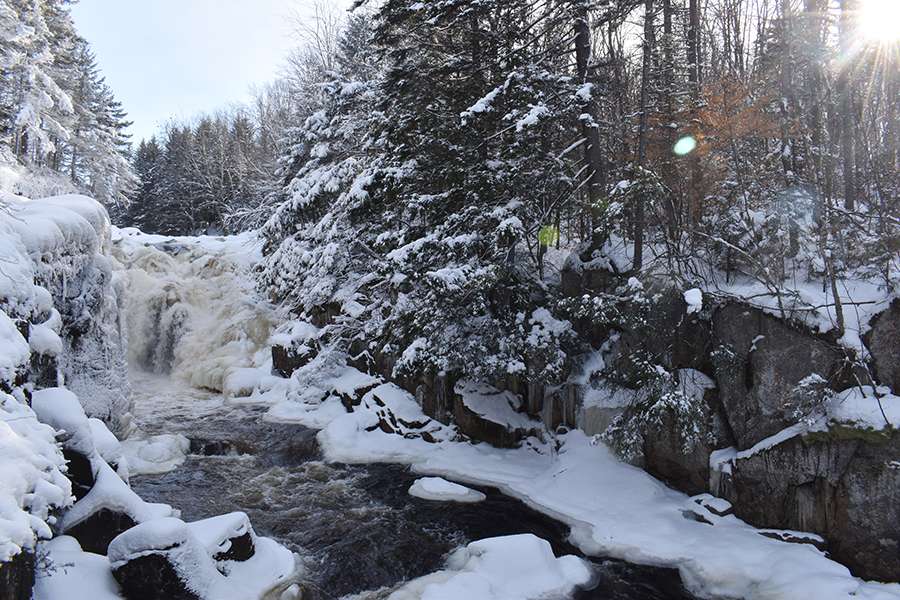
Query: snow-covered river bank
[
  {"x": 355, "y": 526},
  {"x": 319, "y": 462}
]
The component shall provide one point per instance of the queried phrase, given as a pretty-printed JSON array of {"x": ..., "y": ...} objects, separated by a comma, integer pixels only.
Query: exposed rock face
[
  {"x": 883, "y": 342},
  {"x": 152, "y": 577},
  {"x": 17, "y": 577},
  {"x": 678, "y": 457},
  {"x": 286, "y": 360},
  {"x": 95, "y": 533},
  {"x": 837, "y": 485},
  {"x": 760, "y": 361}
]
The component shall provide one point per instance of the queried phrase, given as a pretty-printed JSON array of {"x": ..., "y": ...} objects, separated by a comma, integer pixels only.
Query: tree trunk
[
  {"x": 848, "y": 154},
  {"x": 593, "y": 156},
  {"x": 642, "y": 133}
]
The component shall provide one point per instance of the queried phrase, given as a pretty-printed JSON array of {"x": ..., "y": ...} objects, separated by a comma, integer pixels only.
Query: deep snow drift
[{"x": 59, "y": 323}]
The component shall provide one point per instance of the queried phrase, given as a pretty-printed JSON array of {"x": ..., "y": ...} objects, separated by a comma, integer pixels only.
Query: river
[{"x": 355, "y": 527}]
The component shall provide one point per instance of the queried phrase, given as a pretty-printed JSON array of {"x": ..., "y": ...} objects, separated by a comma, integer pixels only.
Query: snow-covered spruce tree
[
  {"x": 57, "y": 114},
  {"x": 425, "y": 230}
]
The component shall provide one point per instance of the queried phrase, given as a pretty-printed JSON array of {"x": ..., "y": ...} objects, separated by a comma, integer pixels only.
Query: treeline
[
  {"x": 215, "y": 174},
  {"x": 703, "y": 141},
  {"x": 56, "y": 110},
  {"x": 227, "y": 171}
]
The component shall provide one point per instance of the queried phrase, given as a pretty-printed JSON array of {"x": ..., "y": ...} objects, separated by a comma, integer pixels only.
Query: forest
[{"x": 488, "y": 299}]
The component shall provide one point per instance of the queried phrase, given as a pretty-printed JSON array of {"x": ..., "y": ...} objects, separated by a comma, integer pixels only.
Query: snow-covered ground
[{"x": 614, "y": 509}]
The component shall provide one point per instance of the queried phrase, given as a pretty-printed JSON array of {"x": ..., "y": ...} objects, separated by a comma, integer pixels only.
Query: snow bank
[
  {"x": 438, "y": 488},
  {"x": 516, "y": 567},
  {"x": 70, "y": 572},
  {"x": 614, "y": 509},
  {"x": 31, "y": 479}
]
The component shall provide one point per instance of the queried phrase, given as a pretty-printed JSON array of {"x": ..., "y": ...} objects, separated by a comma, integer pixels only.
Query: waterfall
[{"x": 191, "y": 311}]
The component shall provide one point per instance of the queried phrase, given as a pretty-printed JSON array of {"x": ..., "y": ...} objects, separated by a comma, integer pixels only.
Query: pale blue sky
[{"x": 176, "y": 58}]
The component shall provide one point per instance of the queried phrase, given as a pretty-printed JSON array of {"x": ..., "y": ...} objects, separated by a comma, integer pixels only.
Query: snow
[
  {"x": 60, "y": 408},
  {"x": 484, "y": 104},
  {"x": 156, "y": 454},
  {"x": 215, "y": 533},
  {"x": 516, "y": 567},
  {"x": 438, "y": 488},
  {"x": 532, "y": 117},
  {"x": 187, "y": 547},
  {"x": 614, "y": 509},
  {"x": 107, "y": 445},
  {"x": 805, "y": 301},
  {"x": 70, "y": 572},
  {"x": 31, "y": 478},
  {"x": 43, "y": 340},
  {"x": 111, "y": 493},
  {"x": 863, "y": 407},
  {"x": 14, "y": 351},
  {"x": 585, "y": 92},
  {"x": 61, "y": 242},
  {"x": 694, "y": 300},
  {"x": 493, "y": 405}
]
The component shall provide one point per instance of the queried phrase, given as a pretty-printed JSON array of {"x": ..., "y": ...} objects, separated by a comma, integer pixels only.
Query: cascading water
[
  {"x": 189, "y": 314},
  {"x": 356, "y": 529}
]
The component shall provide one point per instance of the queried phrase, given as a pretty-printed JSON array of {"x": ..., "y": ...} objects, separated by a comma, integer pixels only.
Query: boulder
[
  {"x": 286, "y": 360},
  {"x": 681, "y": 458},
  {"x": 759, "y": 362},
  {"x": 17, "y": 577},
  {"x": 95, "y": 533},
  {"x": 160, "y": 560},
  {"x": 842, "y": 484},
  {"x": 226, "y": 537},
  {"x": 487, "y": 414},
  {"x": 883, "y": 342}
]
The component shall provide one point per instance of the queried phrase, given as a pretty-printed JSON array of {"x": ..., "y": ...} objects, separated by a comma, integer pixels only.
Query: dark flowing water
[{"x": 355, "y": 526}]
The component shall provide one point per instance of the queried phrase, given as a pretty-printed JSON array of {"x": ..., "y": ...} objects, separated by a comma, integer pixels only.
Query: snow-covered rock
[
  {"x": 438, "y": 488},
  {"x": 156, "y": 454},
  {"x": 70, "y": 572},
  {"x": 488, "y": 414},
  {"x": 32, "y": 483},
  {"x": 58, "y": 277},
  {"x": 178, "y": 561},
  {"x": 520, "y": 567}
]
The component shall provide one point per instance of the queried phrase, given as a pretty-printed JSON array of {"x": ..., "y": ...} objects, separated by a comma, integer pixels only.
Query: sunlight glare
[{"x": 879, "y": 20}]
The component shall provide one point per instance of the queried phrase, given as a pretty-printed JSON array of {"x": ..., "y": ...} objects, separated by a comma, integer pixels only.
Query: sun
[{"x": 879, "y": 20}]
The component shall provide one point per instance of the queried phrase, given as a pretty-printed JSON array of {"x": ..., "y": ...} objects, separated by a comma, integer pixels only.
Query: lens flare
[{"x": 685, "y": 145}]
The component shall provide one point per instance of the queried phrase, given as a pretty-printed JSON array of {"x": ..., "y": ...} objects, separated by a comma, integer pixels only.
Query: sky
[{"x": 168, "y": 59}]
